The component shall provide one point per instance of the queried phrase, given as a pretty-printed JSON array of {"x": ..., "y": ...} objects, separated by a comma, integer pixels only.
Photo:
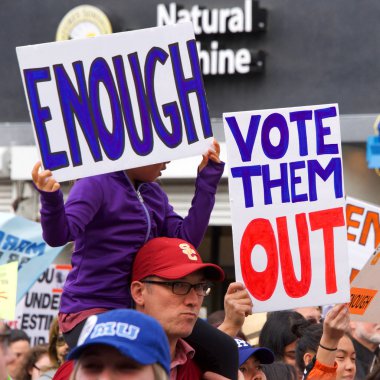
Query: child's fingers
[{"x": 35, "y": 171}]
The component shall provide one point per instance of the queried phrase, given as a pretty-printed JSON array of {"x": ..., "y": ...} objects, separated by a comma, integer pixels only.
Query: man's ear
[
  {"x": 137, "y": 293},
  {"x": 307, "y": 358}
]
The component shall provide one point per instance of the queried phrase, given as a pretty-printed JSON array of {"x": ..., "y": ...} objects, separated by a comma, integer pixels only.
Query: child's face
[{"x": 147, "y": 173}]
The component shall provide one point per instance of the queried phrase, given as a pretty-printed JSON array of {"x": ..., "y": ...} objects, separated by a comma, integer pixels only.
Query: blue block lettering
[
  {"x": 269, "y": 184},
  {"x": 245, "y": 146},
  {"x": 300, "y": 117},
  {"x": 174, "y": 138},
  {"x": 186, "y": 86},
  {"x": 245, "y": 173},
  {"x": 334, "y": 167},
  {"x": 112, "y": 142},
  {"x": 76, "y": 104},
  {"x": 294, "y": 179},
  {"x": 322, "y": 131},
  {"x": 275, "y": 120},
  {"x": 40, "y": 116}
]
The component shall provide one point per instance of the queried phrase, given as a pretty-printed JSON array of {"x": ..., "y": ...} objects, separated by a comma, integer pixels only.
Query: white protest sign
[
  {"x": 365, "y": 300},
  {"x": 287, "y": 206},
  {"x": 363, "y": 231},
  {"x": 116, "y": 101},
  {"x": 36, "y": 310}
]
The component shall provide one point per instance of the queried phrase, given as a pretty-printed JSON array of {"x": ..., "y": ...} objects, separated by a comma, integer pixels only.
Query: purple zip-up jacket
[{"x": 109, "y": 221}]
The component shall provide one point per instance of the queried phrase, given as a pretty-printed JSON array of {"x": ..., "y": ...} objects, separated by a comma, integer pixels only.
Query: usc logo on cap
[{"x": 187, "y": 250}]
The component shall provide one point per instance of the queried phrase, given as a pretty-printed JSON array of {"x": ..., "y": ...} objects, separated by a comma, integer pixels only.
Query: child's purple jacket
[{"x": 109, "y": 221}]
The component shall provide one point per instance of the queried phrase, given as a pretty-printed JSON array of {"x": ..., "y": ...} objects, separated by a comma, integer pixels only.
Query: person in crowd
[
  {"x": 57, "y": 349},
  {"x": 121, "y": 344},
  {"x": 374, "y": 374},
  {"x": 279, "y": 371},
  {"x": 6, "y": 355},
  {"x": 251, "y": 360},
  {"x": 366, "y": 339},
  {"x": 37, "y": 362},
  {"x": 117, "y": 213},
  {"x": 325, "y": 351},
  {"x": 237, "y": 306},
  {"x": 313, "y": 313},
  {"x": 169, "y": 283},
  {"x": 19, "y": 345},
  {"x": 277, "y": 335}
]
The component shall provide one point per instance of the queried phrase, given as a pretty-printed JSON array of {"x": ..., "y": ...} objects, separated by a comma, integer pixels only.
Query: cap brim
[
  {"x": 142, "y": 357},
  {"x": 212, "y": 272},
  {"x": 264, "y": 355}
]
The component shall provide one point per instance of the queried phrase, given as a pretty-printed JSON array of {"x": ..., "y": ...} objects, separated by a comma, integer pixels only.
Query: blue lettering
[
  {"x": 41, "y": 115},
  {"x": 245, "y": 147},
  {"x": 334, "y": 166},
  {"x": 10, "y": 242},
  {"x": 293, "y": 166},
  {"x": 322, "y": 131},
  {"x": 76, "y": 104},
  {"x": 275, "y": 120},
  {"x": 36, "y": 248},
  {"x": 282, "y": 182},
  {"x": 144, "y": 145},
  {"x": 245, "y": 173},
  {"x": 300, "y": 117},
  {"x": 112, "y": 142},
  {"x": 185, "y": 86},
  {"x": 170, "y": 110}
]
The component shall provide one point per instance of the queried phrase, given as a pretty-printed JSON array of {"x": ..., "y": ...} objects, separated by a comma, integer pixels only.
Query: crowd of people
[{"x": 130, "y": 305}]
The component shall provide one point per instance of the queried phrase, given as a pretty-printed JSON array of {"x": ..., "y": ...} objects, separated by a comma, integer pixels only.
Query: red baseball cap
[{"x": 172, "y": 259}]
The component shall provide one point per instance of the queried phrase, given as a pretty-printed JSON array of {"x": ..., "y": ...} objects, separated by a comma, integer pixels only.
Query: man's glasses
[{"x": 182, "y": 288}]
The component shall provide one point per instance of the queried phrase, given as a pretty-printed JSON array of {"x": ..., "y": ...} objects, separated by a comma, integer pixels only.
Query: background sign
[
  {"x": 39, "y": 306},
  {"x": 21, "y": 241},
  {"x": 287, "y": 203},
  {"x": 8, "y": 289},
  {"x": 365, "y": 301},
  {"x": 363, "y": 231},
  {"x": 116, "y": 101}
]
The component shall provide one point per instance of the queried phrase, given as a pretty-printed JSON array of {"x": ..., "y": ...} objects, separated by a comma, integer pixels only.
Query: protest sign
[
  {"x": 287, "y": 206},
  {"x": 8, "y": 289},
  {"x": 365, "y": 301},
  {"x": 21, "y": 240},
  {"x": 363, "y": 231},
  {"x": 40, "y": 304},
  {"x": 116, "y": 101}
]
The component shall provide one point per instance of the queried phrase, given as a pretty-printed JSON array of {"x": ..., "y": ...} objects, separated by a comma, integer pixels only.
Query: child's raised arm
[
  {"x": 44, "y": 180},
  {"x": 212, "y": 154}
]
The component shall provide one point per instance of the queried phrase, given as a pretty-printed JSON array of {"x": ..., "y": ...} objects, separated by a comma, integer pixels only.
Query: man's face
[
  {"x": 251, "y": 369},
  {"x": 19, "y": 349},
  {"x": 368, "y": 331},
  {"x": 177, "y": 314},
  {"x": 6, "y": 356},
  {"x": 107, "y": 363}
]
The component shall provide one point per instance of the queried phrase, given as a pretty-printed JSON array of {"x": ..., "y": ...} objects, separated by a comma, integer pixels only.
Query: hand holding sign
[
  {"x": 44, "y": 180},
  {"x": 212, "y": 154}
]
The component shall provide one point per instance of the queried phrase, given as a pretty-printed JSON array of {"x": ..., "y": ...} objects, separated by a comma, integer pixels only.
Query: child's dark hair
[
  {"x": 279, "y": 371},
  {"x": 277, "y": 331},
  {"x": 309, "y": 335}
]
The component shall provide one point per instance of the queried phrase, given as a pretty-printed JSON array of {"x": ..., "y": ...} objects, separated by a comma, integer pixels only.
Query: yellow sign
[{"x": 8, "y": 290}]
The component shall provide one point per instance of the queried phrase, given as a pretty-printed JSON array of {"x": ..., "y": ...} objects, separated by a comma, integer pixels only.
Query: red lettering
[
  {"x": 327, "y": 220},
  {"x": 260, "y": 284},
  {"x": 292, "y": 286}
]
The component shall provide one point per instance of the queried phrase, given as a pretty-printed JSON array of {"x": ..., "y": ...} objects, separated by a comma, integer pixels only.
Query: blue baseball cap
[
  {"x": 135, "y": 335},
  {"x": 264, "y": 355}
]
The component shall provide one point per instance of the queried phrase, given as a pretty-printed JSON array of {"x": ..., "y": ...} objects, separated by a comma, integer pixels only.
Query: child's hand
[
  {"x": 212, "y": 154},
  {"x": 44, "y": 180}
]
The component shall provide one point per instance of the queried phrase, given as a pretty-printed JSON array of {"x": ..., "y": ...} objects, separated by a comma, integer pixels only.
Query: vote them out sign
[{"x": 287, "y": 204}]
